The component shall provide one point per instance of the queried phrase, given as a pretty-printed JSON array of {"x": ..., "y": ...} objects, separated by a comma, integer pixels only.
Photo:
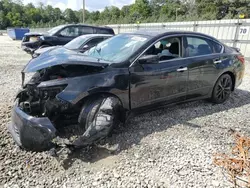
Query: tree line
[{"x": 13, "y": 13}]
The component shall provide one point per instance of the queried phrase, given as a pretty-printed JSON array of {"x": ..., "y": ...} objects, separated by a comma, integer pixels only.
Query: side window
[
  {"x": 94, "y": 42},
  {"x": 217, "y": 47},
  {"x": 85, "y": 30},
  {"x": 103, "y": 31},
  {"x": 197, "y": 46},
  {"x": 70, "y": 32},
  {"x": 166, "y": 49}
]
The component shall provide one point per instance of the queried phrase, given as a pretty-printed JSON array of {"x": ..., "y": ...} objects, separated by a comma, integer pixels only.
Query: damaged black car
[{"x": 125, "y": 74}]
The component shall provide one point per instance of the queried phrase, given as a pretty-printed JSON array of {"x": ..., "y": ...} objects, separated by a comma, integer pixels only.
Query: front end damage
[
  {"x": 30, "y": 132},
  {"x": 40, "y": 111}
]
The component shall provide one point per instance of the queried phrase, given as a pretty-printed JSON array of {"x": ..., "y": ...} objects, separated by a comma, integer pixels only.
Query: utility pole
[
  {"x": 176, "y": 15},
  {"x": 83, "y": 11}
]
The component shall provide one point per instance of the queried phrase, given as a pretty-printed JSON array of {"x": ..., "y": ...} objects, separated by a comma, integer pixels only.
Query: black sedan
[
  {"x": 121, "y": 75},
  {"x": 60, "y": 35},
  {"x": 79, "y": 44}
]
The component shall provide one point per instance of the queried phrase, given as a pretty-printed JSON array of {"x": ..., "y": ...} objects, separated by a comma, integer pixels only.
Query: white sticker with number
[{"x": 243, "y": 30}]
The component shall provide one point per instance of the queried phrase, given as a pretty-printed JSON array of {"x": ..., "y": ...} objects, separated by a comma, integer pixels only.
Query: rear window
[
  {"x": 217, "y": 47},
  {"x": 85, "y": 30},
  {"x": 104, "y": 31}
]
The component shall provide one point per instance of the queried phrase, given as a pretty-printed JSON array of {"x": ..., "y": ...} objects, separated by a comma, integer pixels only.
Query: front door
[
  {"x": 161, "y": 83},
  {"x": 66, "y": 35}
]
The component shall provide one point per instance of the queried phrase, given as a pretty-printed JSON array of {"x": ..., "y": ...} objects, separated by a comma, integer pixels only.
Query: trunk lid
[{"x": 32, "y": 37}]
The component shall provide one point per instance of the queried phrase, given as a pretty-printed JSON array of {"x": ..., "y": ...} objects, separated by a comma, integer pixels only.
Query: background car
[
  {"x": 60, "y": 35},
  {"x": 126, "y": 74},
  {"x": 79, "y": 44}
]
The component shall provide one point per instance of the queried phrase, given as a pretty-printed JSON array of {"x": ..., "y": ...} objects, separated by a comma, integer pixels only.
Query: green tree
[
  {"x": 115, "y": 14},
  {"x": 140, "y": 10},
  {"x": 4, "y": 22},
  {"x": 70, "y": 16},
  {"x": 13, "y": 13}
]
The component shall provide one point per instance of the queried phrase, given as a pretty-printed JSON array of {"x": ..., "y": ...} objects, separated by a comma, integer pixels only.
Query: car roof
[
  {"x": 154, "y": 33},
  {"x": 86, "y": 25},
  {"x": 95, "y": 35}
]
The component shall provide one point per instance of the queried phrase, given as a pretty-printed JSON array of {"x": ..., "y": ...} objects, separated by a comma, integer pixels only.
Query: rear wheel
[{"x": 222, "y": 89}]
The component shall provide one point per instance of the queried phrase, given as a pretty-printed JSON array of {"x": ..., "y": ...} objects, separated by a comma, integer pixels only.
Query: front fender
[{"x": 115, "y": 82}]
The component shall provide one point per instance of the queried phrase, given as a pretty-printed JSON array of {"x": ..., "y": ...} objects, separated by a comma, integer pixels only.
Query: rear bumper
[
  {"x": 30, "y": 132},
  {"x": 240, "y": 76}
]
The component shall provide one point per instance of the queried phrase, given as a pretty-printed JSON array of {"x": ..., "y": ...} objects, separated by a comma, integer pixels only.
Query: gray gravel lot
[{"x": 171, "y": 147}]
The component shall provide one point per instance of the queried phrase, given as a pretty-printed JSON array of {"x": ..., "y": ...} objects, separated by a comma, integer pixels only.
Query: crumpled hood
[{"x": 62, "y": 56}]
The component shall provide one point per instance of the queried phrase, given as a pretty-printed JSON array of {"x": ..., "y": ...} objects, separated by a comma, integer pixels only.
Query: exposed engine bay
[{"x": 43, "y": 102}]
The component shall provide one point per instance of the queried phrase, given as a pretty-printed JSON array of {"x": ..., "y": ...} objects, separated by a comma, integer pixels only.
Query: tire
[
  {"x": 94, "y": 107},
  {"x": 222, "y": 89},
  {"x": 97, "y": 119}
]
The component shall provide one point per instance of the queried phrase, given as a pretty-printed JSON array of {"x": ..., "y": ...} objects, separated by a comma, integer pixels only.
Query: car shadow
[{"x": 159, "y": 120}]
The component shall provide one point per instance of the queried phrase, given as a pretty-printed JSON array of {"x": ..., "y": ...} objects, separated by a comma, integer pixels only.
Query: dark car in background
[
  {"x": 127, "y": 73},
  {"x": 60, "y": 35},
  {"x": 79, "y": 44}
]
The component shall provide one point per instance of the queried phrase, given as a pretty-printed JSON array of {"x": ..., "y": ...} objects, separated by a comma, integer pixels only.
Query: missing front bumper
[{"x": 31, "y": 133}]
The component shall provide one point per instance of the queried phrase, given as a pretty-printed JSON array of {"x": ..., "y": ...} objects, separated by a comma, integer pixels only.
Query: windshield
[
  {"x": 55, "y": 29},
  {"x": 76, "y": 43},
  {"x": 117, "y": 49}
]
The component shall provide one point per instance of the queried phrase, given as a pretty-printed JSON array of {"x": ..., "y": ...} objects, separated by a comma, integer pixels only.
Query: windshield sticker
[
  {"x": 141, "y": 39},
  {"x": 131, "y": 43}
]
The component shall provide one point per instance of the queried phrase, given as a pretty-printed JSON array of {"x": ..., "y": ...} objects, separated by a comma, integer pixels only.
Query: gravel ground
[{"x": 171, "y": 147}]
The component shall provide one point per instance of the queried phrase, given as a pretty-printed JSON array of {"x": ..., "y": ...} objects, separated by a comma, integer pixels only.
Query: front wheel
[
  {"x": 222, "y": 89},
  {"x": 97, "y": 118}
]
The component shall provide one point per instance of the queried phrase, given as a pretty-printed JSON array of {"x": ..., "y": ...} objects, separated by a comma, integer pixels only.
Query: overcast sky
[{"x": 77, "y": 4}]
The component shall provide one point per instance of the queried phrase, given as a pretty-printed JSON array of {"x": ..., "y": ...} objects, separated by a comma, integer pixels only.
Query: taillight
[{"x": 241, "y": 58}]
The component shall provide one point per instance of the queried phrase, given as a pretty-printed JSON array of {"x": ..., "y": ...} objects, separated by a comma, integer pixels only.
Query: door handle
[
  {"x": 182, "y": 69},
  {"x": 218, "y": 61}
]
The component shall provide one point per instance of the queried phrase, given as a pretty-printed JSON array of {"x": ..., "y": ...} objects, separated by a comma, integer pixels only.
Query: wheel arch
[
  {"x": 104, "y": 94},
  {"x": 99, "y": 94}
]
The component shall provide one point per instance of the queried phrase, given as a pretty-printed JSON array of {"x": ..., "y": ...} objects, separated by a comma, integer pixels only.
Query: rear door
[
  {"x": 203, "y": 56},
  {"x": 84, "y": 30}
]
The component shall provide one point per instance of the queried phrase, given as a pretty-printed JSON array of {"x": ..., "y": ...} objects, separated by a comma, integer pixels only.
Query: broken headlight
[{"x": 50, "y": 92}]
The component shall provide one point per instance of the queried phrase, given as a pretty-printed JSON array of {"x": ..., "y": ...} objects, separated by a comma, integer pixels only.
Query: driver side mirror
[
  {"x": 85, "y": 47},
  {"x": 149, "y": 59}
]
